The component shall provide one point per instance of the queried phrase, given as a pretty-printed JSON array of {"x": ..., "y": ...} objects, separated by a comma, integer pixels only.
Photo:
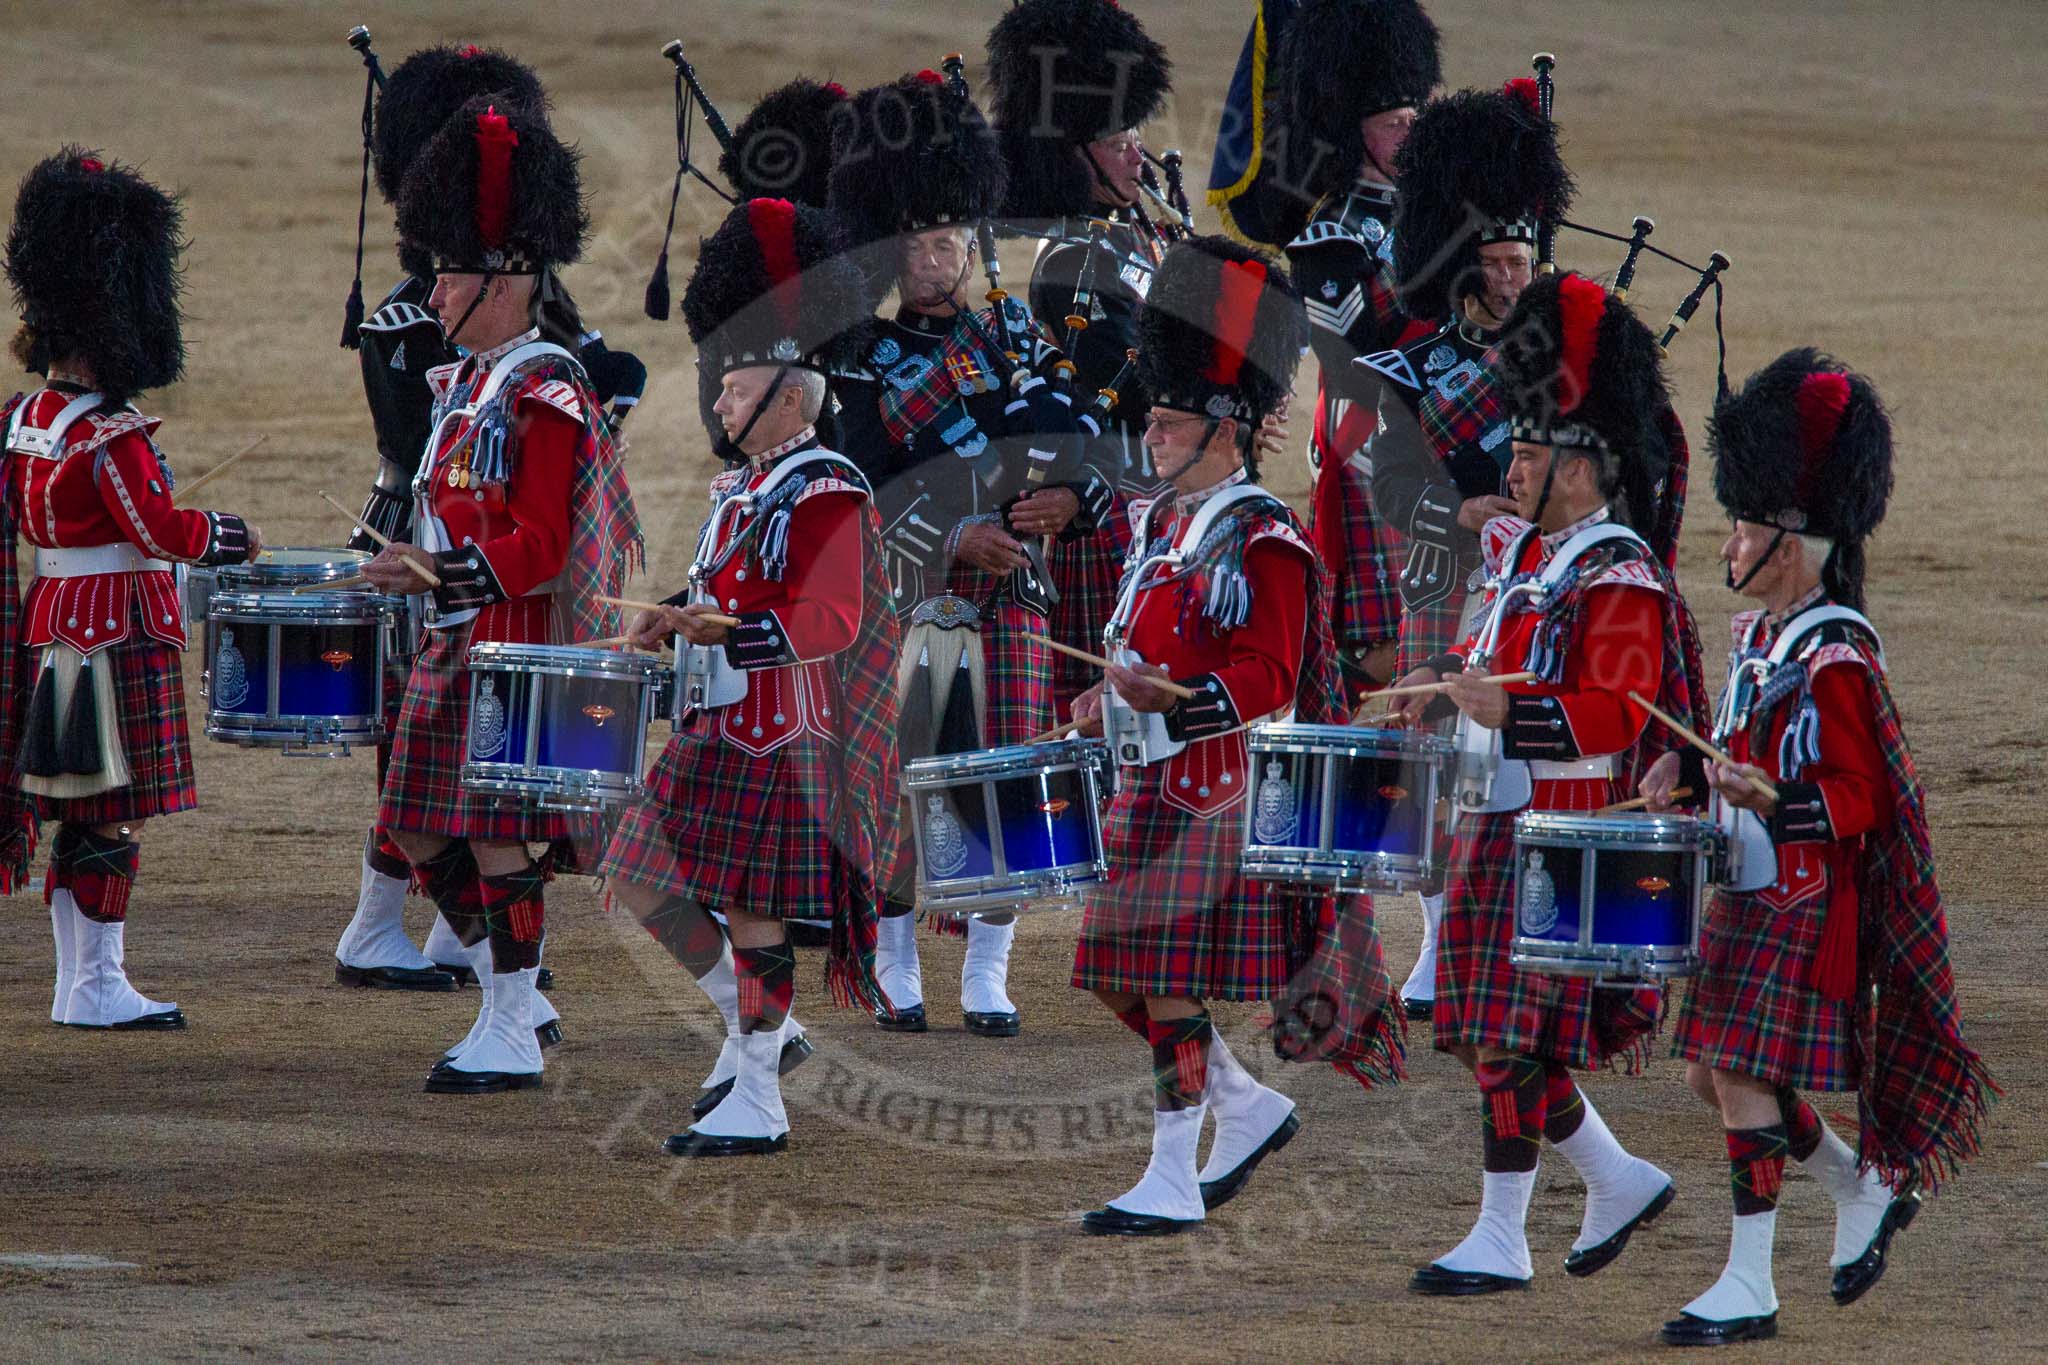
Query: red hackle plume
[
  {"x": 1525, "y": 89},
  {"x": 774, "y": 224},
  {"x": 930, "y": 77},
  {"x": 494, "y": 143},
  {"x": 1237, "y": 312},
  {"x": 1823, "y": 401},
  {"x": 1580, "y": 304}
]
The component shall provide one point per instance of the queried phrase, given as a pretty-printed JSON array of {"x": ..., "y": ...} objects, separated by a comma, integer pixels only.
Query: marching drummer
[
  {"x": 1789, "y": 970},
  {"x": 93, "y": 726},
  {"x": 777, "y": 796},
  {"x": 951, "y": 429},
  {"x": 400, "y": 342},
  {"x": 524, "y": 521},
  {"x": 1233, "y": 631},
  {"x": 1589, "y": 451}
]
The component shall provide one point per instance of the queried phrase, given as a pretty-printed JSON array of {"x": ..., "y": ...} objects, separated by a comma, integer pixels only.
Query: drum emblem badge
[
  {"x": 1538, "y": 908},
  {"x": 335, "y": 658},
  {"x": 1055, "y": 807},
  {"x": 945, "y": 846},
  {"x": 1394, "y": 793},
  {"x": 487, "y": 726},
  {"x": 230, "y": 673},
  {"x": 1273, "y": 819},
  {"x": 599, "y": 713},
  {"x": 1655, "y": 886}
]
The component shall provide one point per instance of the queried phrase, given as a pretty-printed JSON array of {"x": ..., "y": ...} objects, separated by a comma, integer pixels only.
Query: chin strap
[
  {"x": 463, "y": 321},
  {"x": 731, "y": 448},
  {"x": 1757, "y": 568},
  {"x": 1543, "y": 498}
]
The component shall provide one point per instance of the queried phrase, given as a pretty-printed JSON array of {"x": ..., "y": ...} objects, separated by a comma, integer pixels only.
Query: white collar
[
  {"x": 485, "y": 359},
  {"x": 1184, "y": 503},
  {"x": 1553, "y": 542},
  {"x": 768, "y": 457}
]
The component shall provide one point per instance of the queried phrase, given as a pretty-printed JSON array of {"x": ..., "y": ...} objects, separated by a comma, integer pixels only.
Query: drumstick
[
  {"x": 1417, "y": 689},
  {"x": 354, "y": 580},
  {"x": 178, "y": 499},
  {"x": 1638, "y": 802},
  {"x": 1173, "y": 688},
  {"x": 1719, "y": 756},
  {"x": 714, "y": 617},
  {"x": 1090, "y": 726},
  {"x": 433, "y": 579}
]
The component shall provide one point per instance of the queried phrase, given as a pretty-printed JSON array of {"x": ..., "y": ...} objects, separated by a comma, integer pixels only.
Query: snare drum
[
  {"x": 560, "y": 726},
  {"x": 1017, "y": 828},
  {"x": 1345, "y": 807},
  {"x": 303, "y": 673},
  {"x": 1618, "y": 898}
]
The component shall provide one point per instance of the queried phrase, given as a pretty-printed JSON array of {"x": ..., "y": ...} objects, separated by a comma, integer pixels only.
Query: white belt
[
  {"x": 1585, "y": 769},
  {"x": 96, "y": 559}
]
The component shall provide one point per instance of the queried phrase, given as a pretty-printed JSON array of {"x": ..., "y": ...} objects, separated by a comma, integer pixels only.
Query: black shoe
[
  {"x": 464, "y": 974},
  {"x": 703, "y": 1144},
  {"x": 1434, "y": 1280},
  {"x": 544, "y": 979},
  {"x": 794, "y": 1054},
  {"x": 1220, "y": 1191},
  {"x": 1597, "y": 1258},
  {"x": 993, "y": 1023},
  {"x": 1114, "y": 1222},
  {"x": 549, "y": 1034},
  {"x": 1854, "y": 1280},
  {"x": 1419, "y": 1010},
  {"x": 162, "y": 1022},
  {"x": 1687, "y": 1330},
  {"x": 904, "y": 1021},
  {"x": 393, "y": 978},
  {"x": 445, "y": 1079}
]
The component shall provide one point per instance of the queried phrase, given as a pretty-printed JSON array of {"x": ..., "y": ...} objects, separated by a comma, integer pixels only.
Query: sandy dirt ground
[{"x": 273, "y": 1183}]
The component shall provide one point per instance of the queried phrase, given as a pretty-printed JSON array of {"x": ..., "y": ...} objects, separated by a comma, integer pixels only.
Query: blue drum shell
[{"x": 586, "y": 723}]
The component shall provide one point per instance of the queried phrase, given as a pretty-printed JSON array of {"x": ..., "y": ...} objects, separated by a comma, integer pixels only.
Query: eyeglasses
[{"x": 1170, "y": 423}]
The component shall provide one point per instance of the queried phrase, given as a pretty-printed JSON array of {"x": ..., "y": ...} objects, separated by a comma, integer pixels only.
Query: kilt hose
[
  {"x": 1483, "y": 1000},
  {"x": 1750, "y": 1009},
  {"x": 423, "y": 789},
  {"x": 1085, "y": 571},
  {"x": 733, "y": 830},
  {"x": 1175, "y": 916},
  {"x": 149, "y": 703}
]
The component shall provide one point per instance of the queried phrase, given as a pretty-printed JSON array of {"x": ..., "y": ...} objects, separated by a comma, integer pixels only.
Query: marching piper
[
  {"x": 1220, "y": 623},
  {"x": 523, "y": 520},
  {"x": 399, "y": 343},
  {"x": 953, "y": 431},
  {"x": 93, "y": 729},
  {"x": 1479, "y": 178},
  {"x": 777, "y": 796},
  {"x": 1831, "y": 971},
  {"x": 1073, "y": 83},
  {"x": 1582, "y": 609},
  {"x": 1352, "y": 75}
]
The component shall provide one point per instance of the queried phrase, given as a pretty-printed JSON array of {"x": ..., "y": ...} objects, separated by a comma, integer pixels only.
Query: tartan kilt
[
  {"x": 149, "y": 702},
  {"x": 733, "y": 830},
  {"x": 423, "y": 789},
  {"x": 1085, "y": 573},
  {"x": 1483, "y": 1000},
  {"x": 1175, "y": 916},
  {"x": 1749, "y": 1009},
  {"x": 1366, "y": 603}
]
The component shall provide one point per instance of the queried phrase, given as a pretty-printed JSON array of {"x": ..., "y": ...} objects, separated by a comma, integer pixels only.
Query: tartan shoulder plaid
[
  {"x": 905, "y": 412},
  {"x": 1925, "y": 1090}
]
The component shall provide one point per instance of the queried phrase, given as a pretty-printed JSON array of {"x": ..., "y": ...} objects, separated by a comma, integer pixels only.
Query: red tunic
[
  {"x": 503, "y": 543},
  {"x": 107, "y": 486}
]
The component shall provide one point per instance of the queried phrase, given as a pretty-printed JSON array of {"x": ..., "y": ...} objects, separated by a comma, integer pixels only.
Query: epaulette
[
  {"x": 1326, "y": 230},
  {"x": 1395, "y": 365},
  {"x": 1632, "y": 573},
  {"x": 556, "y": 393},
  {"x": 106, "y": 426},
  {"x": 397, "y": 317}
]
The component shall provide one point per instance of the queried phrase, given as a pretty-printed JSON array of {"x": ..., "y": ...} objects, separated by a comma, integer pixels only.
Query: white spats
[
  {"x": 1169, "y": 1188},
  {"x": 478, "y": 959},
  {"x": 1421, "y": 983},
  {"x": 1499, "y": 1242},
  {"x": 1744, "y": 1289},
  {"x": 100, "y": 995},
  {"x": 1618, "y": 1186},
  {"x": 1247, "y": 1113},
  {"x": 444, "y": 947},
  {"x": 753, "y": 1108},
  {"x": 506, "y": 1043},
  {"x": 985, "y": 971},
  {"x": 896, "y": 965},
  {"x": 1860, "y": 1200},
  {"x": 64, "y": 933},
  {"x": 375, "y": 937}
]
